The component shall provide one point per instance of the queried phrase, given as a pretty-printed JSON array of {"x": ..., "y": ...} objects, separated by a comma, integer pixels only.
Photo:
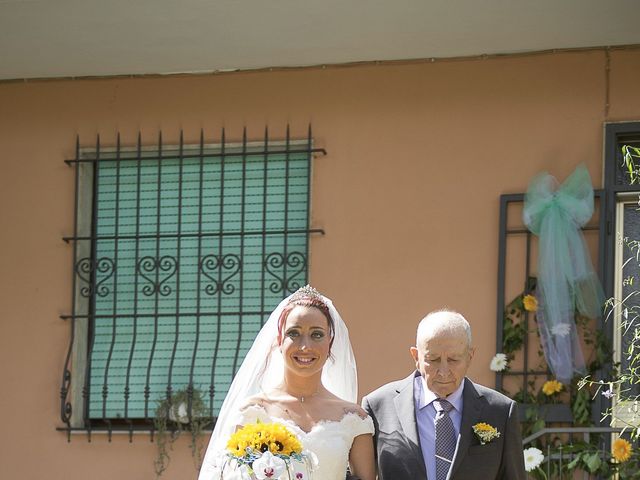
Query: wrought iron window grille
[
  {"x": 179, "y": 254},
  {"x": 522, "y": 264}
]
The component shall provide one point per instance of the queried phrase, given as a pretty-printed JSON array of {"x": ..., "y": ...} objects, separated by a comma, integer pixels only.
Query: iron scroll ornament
[
  {"x": 103, "y": 269},
  {"x": 286, "y": 270},
  {"x": 65, "y": 405},
  {"x": 212, "y": 263},
  {"x": 166, "y": 265}
]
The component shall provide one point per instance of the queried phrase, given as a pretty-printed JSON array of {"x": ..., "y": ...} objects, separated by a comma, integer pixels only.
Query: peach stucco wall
[{"x": 418, "y": 155}]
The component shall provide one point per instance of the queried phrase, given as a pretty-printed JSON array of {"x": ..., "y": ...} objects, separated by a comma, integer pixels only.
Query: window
[
  {"x": 179, "y": 255},
  {"x": 623, "y": 194}
]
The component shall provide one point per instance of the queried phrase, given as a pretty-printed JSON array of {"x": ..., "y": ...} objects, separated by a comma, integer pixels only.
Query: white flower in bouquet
[
  {"x": 533, "y": 458},
  {"x": 268, "y": 466},
  {"x": 499, "y": 362},
  {"x": 267, "y": 451}
]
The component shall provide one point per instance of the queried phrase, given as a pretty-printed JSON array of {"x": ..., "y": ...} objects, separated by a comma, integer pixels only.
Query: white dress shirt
[{"x": 426, "y": 415}]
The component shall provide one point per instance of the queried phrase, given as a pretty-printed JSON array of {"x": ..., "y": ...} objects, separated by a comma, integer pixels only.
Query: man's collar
[{"x": 427, "y": 396}]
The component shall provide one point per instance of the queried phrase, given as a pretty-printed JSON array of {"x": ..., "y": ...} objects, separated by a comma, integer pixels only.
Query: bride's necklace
[{"x": 303, "y": 398}]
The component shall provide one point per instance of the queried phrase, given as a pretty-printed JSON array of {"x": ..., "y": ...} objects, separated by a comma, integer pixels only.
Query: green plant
[
  {"x": 513, "y": 331},
  {"x": 623, "y": 460},
  {"x": 181, "y": 411},
  {"x": 626, "y": 313},
  {"x": 581, "y": 456},
  {"x": 629, "y": 156},
  {"x": 513, "y": 327},
  {"x": 513, "y": 338}
]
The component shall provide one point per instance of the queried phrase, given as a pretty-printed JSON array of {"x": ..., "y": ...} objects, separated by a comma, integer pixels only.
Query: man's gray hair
[{"x": 443, "y": 321}]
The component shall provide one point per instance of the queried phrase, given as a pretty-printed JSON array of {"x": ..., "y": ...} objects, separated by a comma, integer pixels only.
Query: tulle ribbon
[{"x": 566, "y": 280}]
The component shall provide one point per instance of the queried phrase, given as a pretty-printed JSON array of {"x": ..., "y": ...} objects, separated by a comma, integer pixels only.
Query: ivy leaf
[
  {"x": 513, "y": 335},
  {"x": 581, "y": 408},
  {"x": 537, "y": 425},
  {"x": 531, "y": 413},
  {"x": 574, "y": 463},
  {"x": 593, "y": 461}
]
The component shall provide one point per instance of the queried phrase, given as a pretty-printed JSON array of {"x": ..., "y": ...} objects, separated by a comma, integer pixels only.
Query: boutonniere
[{"x": 485, "y": 432}]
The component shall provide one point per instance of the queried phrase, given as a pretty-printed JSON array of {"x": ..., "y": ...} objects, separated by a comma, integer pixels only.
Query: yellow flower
[
  {"x": 551, "y": 387},
  {"x": 485, "y": 432},
  {"x": 530, "y": 303},
  {"x": 262, "y": 437},
  {"x": 621, "y": 450},
  {"x": 484, "y": 427}
]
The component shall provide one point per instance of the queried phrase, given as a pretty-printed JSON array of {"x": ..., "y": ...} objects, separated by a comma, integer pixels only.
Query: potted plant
[{"x": 180, "y": 411}]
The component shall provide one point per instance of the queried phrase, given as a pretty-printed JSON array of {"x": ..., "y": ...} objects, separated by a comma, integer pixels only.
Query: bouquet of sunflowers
[{"x": 267, "y": 451}]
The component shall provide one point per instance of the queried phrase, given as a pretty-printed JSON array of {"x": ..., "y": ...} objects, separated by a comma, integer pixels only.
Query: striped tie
[{"x": 445, "y": 438}]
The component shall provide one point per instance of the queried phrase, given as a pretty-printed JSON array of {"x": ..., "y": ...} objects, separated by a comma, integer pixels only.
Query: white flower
[
  {"x": 533, "y": 457},
  {"x": 269, "y": 467},
  {"x": 561, "y": 330},
  {"x": 499, "y": 362}
]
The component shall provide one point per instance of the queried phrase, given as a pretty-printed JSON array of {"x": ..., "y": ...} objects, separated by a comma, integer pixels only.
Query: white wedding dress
[
  {"x": 329, "y": 440},
  {"x": 262, "y": 370}
]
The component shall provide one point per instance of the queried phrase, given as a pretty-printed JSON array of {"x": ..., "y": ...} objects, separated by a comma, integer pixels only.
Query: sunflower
[
  {"x": 262, "y": 437},
  {"x": 621, "y": 450}
]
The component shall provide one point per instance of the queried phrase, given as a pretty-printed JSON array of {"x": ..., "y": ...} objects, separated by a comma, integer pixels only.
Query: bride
[{"x": 300, "y": 372}]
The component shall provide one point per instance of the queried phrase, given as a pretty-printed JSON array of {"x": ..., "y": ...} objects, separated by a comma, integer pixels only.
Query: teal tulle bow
[{"x": 566, "y": 280}]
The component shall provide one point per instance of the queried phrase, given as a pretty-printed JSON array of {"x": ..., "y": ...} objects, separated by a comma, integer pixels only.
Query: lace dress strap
[{"x": 357, "y": 425}]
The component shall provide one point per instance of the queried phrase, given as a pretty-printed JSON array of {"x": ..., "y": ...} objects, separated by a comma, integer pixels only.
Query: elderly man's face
[{"x": 443, "y": 359}]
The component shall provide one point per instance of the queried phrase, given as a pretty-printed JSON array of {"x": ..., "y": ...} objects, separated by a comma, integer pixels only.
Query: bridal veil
[{"x": 263, "y": 368}]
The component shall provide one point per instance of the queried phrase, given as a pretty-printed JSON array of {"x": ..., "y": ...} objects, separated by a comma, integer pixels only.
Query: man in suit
[{"x": 425, "y": 423}]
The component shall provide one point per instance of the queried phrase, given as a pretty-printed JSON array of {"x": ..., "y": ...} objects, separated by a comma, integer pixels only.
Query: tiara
[{"x": 309, "y": 293}]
